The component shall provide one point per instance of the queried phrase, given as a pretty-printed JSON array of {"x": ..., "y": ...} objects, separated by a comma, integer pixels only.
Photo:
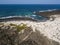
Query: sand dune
[{"x": 51, "y": 29}]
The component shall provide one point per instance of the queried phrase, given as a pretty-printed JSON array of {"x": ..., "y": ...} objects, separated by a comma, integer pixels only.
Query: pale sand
[{"x": 51, "y": 29}]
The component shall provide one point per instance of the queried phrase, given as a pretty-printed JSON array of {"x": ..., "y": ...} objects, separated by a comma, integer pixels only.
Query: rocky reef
[
  {"x": 48, "y": 14},
  {"x": 16, "y": 18},
  {"x": 13, "y": 34}
]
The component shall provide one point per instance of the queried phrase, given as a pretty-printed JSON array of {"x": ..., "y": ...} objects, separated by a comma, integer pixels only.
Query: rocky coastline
[
  {"x": 48, "y": 14},
  {"x": 17, "y": 18}
]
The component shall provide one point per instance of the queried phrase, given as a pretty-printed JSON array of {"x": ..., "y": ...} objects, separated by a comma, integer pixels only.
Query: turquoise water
[{"x": 7, "y": 10}]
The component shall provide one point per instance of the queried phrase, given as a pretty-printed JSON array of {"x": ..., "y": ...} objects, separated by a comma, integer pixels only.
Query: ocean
[{"x": 10, "y": 10}]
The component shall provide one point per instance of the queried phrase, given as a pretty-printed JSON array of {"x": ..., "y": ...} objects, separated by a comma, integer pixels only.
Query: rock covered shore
[{"x": 49, "y": 14}]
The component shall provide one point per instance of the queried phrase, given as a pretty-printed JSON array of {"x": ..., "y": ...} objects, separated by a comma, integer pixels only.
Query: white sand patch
[{"x": 51, "y": 29}]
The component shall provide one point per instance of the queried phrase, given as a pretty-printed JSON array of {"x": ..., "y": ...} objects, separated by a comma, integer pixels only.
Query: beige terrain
[{"x": 48, "y": 32}]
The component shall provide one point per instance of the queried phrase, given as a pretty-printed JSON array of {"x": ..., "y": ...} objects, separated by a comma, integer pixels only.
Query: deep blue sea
[{"x": 7, "y": 10}]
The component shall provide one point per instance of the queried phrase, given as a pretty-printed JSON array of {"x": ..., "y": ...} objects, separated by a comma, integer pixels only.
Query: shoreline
[
  {"x": 16, "y": 18},
  {"x": 20, "y": 19}
]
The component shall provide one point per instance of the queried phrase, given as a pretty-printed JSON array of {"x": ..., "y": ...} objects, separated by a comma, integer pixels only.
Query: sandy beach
[{"x": 51, "y": 29}]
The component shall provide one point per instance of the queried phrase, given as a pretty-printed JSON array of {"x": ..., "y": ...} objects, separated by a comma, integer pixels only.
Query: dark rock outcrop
[
  {"x": 48, "y": 14},
  {"x": 17, "y": 18}
]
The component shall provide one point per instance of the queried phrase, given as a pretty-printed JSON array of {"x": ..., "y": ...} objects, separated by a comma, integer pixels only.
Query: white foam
[
  {"x": 34, "y": 15},
  {"x": 47, "y": 10}
]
